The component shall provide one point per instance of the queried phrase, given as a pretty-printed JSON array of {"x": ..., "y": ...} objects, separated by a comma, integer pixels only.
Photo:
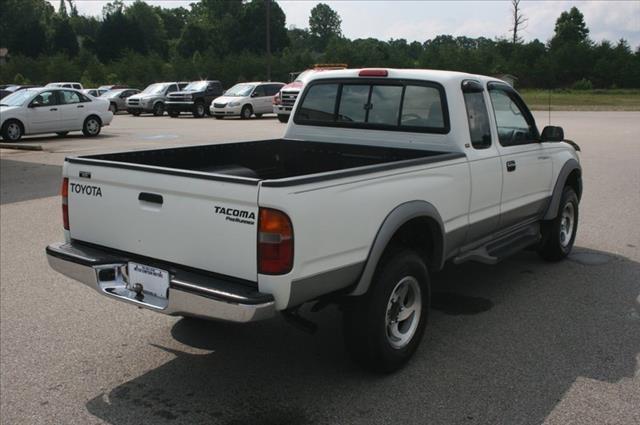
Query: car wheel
[
  {"x": 113, "y": 108},
  {"x": 158, "y": 109},
  {"x": 246, "y": 112},
  {"x": 258, "y": 115},
  {"x": 283, "y": 117},
  {"x": 62, "y": 133},
  {"x": 384, "y": 327},
  {"x": 559, "y": 234},
  {"x": 92, "y": 126},
  {"x": 199, "y": 110},
  {"x": 12, "y": 131}
]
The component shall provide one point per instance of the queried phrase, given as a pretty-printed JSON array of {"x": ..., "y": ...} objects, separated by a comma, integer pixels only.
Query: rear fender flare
[{"x": 394, "y": 220}]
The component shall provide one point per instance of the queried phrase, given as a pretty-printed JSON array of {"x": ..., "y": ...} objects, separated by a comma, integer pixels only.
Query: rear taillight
[
  {"x": 275, "y": 242},
  {"x": 64, "y": 193}
]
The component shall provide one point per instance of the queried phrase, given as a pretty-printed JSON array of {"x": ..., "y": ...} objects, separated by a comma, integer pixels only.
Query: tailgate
[{"x": 196, "y": 222}]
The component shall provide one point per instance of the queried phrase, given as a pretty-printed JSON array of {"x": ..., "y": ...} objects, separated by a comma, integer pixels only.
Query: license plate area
[{"x": 154, "y": 281}]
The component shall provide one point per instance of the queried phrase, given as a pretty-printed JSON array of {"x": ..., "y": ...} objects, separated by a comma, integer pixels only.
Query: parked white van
[{"x": 245, "y": 100}]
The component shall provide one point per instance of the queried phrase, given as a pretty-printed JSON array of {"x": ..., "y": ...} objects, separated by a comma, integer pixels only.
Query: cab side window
[
  {"x": 259, "y": 92},
  {"x": 68, "y": 97},
  {"x": 478, "y": 119},
  {"x": 515, "y": 124},
  {"x": 47, "y": 98}
]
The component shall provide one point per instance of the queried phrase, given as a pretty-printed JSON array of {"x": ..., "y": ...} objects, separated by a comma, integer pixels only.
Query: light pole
[{"x": 268, "y": 4}]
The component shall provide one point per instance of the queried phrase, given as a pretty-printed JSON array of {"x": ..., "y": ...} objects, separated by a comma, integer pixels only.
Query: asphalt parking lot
[{"x": 524, "y": 342}]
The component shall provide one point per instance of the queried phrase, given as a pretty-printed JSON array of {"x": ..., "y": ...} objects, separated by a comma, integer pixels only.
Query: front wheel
[
  {"x": 246, "y": 112},
  {"x": 158, "y": 109},
  {"x": 384, "y": 327},
  {"x": 11, "y": 131},
  {"x": 559, "y": 234},
  {"x": 199, "y": 110},
  {"x": 91, "y": 126}
]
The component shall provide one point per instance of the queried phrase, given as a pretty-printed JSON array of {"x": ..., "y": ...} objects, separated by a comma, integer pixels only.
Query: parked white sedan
[
  {"x": 245, "y": 100},
  {"x": 52, "y": 110}
]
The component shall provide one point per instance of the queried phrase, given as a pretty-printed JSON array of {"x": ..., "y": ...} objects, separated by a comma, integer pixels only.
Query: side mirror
[{"x": 552, "y": 134}]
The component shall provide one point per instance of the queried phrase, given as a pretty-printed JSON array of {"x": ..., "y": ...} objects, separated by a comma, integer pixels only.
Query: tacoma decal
[
  {"x": 86, "y": 189},
  {"x": 237, "y": 216}
]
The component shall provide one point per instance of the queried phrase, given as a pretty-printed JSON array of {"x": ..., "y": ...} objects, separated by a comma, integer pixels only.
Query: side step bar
[{"x": 503, "y": 247}]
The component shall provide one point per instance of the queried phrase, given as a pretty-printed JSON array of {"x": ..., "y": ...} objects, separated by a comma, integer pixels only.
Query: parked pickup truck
[
  {"x": 195, "y": 98},
  {"x": 382, "y": 176}
]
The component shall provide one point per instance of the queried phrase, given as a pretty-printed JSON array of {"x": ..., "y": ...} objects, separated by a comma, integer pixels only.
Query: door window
[
  {"x": 259, "y": 92},
  {"x": 68, "y": 97},
  {"x": 515, "y": 123},
  {"x": 47, "y": 98},
  {"x": 478, "y": 119}
]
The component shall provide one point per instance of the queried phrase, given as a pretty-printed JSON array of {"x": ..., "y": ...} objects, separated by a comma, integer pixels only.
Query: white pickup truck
[{"x": 382, "y": 176}]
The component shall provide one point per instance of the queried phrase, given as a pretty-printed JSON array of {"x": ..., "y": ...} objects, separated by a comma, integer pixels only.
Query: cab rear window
[{"x": 392, "y": 105}]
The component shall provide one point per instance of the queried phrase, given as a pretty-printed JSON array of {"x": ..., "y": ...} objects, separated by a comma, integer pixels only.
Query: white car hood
[{"x": 227, "y": 99}]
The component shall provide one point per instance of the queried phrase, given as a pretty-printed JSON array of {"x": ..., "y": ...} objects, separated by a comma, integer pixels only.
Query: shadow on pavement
[
  {"x": 23, "y": 181},
  {"x": 503, "y": 345}
]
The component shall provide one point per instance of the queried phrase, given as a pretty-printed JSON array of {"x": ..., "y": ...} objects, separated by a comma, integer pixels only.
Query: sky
[{"x": 422, "y": 20}]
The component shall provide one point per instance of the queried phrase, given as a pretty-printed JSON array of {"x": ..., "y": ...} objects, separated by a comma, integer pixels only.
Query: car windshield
[
  {"x": 18, "y": 98},
  {"x": 240, "y": 90},
  {"x": 155, "y": 88},
  {"x": 196, "y": 86}
]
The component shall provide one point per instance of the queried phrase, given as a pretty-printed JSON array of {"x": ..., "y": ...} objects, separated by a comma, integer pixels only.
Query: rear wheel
[
  {"x": 12, "y": 131},
  {"x": 246, "y": 112},
  {"x": 559, "y": 234},
  {"x": 158, "y": 109},
  {"x": 283, "y": 117},
  {"x": 199, "y": 110},
  {"x": 384, "y": 327},
  {"x": 91, "y": 126}
]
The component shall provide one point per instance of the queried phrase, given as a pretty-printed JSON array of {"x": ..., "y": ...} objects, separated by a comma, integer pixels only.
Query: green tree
[
  {"x": 64, "y": 39},
  {"x": 324, "y": 24},
  {"x": 23, "y": 26},
  {"x": 570, "y": 29},
  {"x": 150, "y": 27}
]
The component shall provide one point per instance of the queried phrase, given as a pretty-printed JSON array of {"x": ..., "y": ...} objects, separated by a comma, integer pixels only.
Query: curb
[{"x": 21, "y": 146}]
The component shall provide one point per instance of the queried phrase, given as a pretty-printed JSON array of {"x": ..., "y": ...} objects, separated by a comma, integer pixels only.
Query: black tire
[
  {"x": 92, "y": 126},
  {"x": 12, "y": 131},
  {"x": 258, "y": 115},
  {"x": 158, "y": 109},
  {"x": 246, "y": 112},
  {"x": 173, "y": 114},
  {"x": 62, "y": 133},
  {"x": 218, "y": 117},
  {"x": 556, "y": 242},
  {"x": 368, "y": 318},
  {"x": 199, "y": 110},
  {"x": 113, "y": 108},
  {"x": 283, "y": 118}
]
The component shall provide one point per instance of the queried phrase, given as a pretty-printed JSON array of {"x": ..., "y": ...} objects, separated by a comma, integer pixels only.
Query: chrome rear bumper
[{"x": 190, "y": 293}]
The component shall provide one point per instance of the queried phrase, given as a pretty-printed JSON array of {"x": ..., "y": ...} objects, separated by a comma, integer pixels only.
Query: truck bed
[{"x": 252, "y": 162}]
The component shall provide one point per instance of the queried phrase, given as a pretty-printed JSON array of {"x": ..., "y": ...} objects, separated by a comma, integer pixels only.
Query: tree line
[{"x": 225, "y": 39}]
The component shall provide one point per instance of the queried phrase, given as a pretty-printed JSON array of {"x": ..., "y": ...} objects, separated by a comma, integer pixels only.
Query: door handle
[
  {"x": 80, "y": 106},
  {"x": 152, "y": 198},
  {"x": 53, "y": 109},
  {"x": 511, "y": 166}
]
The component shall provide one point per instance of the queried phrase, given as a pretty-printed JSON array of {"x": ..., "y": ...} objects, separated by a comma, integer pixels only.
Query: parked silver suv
[
  {"x": 153, "y": 98},
  {"x": 118, "y": 98}
]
